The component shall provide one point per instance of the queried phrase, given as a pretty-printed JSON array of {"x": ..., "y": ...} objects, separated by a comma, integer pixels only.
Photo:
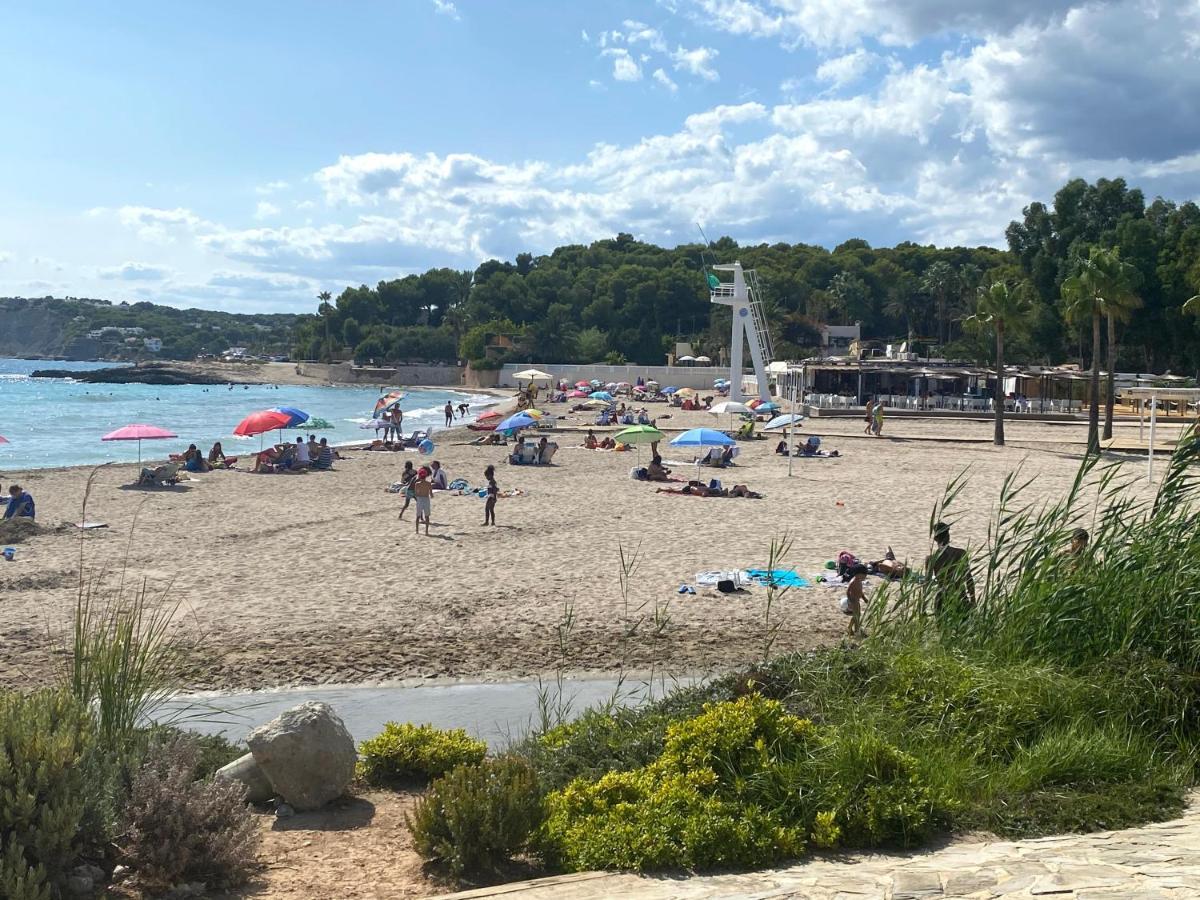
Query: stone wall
[
  {"x": 699, "y": 377},
  {"x": 344, "y": 373}
]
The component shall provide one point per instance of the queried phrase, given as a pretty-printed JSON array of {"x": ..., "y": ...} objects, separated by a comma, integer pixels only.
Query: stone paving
[{"x": 1156, "y": 862}]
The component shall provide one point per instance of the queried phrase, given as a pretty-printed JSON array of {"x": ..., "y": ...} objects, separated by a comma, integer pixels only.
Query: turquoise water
[{"x": 59, "y": 422}]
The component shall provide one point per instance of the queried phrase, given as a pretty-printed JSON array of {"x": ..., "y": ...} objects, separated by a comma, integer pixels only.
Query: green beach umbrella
[
  {"x": 314, "y": 424},
  {"x": 638, "y": 435}
]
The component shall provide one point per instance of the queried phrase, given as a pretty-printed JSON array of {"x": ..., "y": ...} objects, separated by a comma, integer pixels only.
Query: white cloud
[
  {"x": 265, "y": 210},
  {"x": 625, "y": 67},
  {"x": 272, "y": 187},
  {"x": 840, "y": 23},
  {"x": 446, "y": 8},
  {"x": 584, "y": 35},
  {"x": 665, "y": 80},
  {"x": 157, "y": 225},
  {"x": 5, "y": 257},
  {"x": 847, "y": 69},
  {"x": 639, "y": 32},
  {"x": 698, "y": 62},
  {"x": 135, "y": 271}
]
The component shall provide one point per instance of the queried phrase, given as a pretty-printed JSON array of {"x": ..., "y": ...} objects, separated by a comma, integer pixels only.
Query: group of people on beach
[
  {"x": 297, "y": 457},
  {"x": 418, "y": 484},
  {"x": 874, "y": 417}
]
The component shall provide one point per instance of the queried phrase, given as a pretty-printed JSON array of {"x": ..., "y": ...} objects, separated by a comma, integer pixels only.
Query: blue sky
[{"x": 246, "y": 155}]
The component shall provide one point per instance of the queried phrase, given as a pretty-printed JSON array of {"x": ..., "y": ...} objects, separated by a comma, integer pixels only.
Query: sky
[{"x": 245, "y": 156}]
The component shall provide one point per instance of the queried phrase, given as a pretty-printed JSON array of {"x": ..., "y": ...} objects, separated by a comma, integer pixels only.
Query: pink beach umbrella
[
  {"x": 3, "y": 439},
  {"x": 139, "y": 433}
]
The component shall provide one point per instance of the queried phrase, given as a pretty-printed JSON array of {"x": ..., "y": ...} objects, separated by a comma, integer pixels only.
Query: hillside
[{"x": 92, "y": 329}]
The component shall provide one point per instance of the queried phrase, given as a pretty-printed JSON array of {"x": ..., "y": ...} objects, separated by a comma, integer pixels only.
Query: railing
[{"x": 949, "y": 403}]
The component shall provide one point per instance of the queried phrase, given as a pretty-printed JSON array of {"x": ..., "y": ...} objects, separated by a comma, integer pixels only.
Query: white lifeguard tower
[{"x": 749, "y": 323}]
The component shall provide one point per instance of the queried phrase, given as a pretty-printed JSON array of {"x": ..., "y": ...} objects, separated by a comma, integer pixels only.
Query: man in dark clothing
[{"x": 950, "y": 570}]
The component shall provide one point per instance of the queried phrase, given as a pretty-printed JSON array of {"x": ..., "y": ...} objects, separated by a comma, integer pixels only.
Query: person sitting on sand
[
  {"x": 608, "y": 443},
  {"x": 514, "y": 458},
  {"x": 589, "y": 440},
  {"x": 726, "y": 457},
  {"x": 782, "y": 448},
  {"x": 193, "y": 460},
  {"x": 265, "y": 460},
  {"x": 314, "y": 448},
  {"x": 303, "y": 459},
  {"x": 216, "y": 457},
  {"x": 541, "y": 450},
  {"x": 20, "y": 503},
  {"x": 325, "y": 456},
  {"x": 656, "y": 471},
  {"x": 643, "y": 417},
  {"x": 438, "y": 478}
]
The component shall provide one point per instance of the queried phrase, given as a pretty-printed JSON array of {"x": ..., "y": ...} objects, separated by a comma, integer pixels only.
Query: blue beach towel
[{"x": 778, "y": 577}]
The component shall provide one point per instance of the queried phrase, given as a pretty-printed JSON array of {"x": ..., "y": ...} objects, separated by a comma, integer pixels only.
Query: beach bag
[{"x": 726, "y": 585}]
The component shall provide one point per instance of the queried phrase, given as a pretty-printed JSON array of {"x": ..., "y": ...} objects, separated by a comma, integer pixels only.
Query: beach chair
[
  {"x": 548, "y": 453},
  {"x": 160, "y": 477}
]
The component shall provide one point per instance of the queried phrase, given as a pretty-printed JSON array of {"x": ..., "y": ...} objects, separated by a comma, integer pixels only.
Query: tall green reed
[{"x": 1134, "y": 592}]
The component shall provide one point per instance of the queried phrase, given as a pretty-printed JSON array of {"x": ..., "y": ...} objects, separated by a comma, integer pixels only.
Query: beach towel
[
  {"x": 710, "y": 579},
  {"x": 458, "y": 484},
  {"x": 778, "y": 577}
]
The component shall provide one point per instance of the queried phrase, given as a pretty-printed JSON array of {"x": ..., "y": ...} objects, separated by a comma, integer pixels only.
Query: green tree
[
  {"x": 351, "y": 332},
  {"x": 1004, "y": 309},
  {"x": 592, "y": 344}
]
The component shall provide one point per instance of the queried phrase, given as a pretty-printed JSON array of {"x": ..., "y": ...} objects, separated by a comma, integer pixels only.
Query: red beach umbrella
[
  {"x": 139, "y": 432},
  {"x": 261, "y": 421}
]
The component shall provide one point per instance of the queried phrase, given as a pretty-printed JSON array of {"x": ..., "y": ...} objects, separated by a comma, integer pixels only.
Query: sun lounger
[
  {"x": 160, "y": 477},
  {"x": 548, "y": 453}
]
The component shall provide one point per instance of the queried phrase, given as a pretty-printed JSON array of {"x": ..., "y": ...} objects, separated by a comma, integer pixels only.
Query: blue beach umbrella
[
  {"x": 670, "y": 390},
  {"x": 298, "y": 416},
  {"x": 703, "y": 437},
  {"x": 600, "y": 395},
  {"x": 769, "y": 406},
  {"x": 517, "y": 422}
]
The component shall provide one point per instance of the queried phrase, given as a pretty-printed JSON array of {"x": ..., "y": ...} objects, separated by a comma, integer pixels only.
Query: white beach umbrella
[
  {"x": 532, "y": 375},
  {"x": 732, "y": 407}
]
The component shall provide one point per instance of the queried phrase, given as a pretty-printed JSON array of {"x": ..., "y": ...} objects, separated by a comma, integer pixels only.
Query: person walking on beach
[
  {"x": 423, "y": 493},
  {"x": 869, "y": 417},
  {"x": 407, "y": 477},
  {"x": 493, "y": 494},
  {"x": 449, "y": 410},
  {"x": 398, "y": 422},
  {"x": 877, "y": 419},
  {"x": 856, "y": 599}
]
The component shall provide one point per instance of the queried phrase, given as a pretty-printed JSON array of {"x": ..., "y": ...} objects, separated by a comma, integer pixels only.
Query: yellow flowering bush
[{"x": 404, "y": 751}]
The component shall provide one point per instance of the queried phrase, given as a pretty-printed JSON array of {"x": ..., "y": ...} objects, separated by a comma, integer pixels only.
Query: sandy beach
[{"x": 310, "y": 578}]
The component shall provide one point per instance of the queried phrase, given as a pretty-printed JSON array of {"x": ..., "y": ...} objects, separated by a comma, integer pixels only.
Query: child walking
[{"x": 854, "y": 601}]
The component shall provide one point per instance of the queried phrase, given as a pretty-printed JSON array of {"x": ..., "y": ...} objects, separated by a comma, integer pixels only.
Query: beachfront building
[{"x": 843, "y": 384}]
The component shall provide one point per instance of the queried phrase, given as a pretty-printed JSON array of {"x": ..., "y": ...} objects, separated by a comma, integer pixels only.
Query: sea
[{"x": 59, "y": 421}]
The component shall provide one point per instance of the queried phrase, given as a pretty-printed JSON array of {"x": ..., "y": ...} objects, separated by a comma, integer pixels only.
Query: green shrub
[
  {"x": 180, "y": 829},
  {"x": 875, "y": 790},
  {"x": 44, "y": 740},
  {"x": 478, "y": 816},
  {"x": 655, "y": 818},
  {"x": 405, "y": 751}
]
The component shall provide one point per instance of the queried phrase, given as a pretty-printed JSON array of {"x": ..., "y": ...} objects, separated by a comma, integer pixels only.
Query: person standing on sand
[
  {"x": 449, "y": 411},
  {"x": 423, "y": 493},
  {"x": 868, "y": 417},
  {"x": 463, "y": 409},
  {"x": 950, "y": 569},
  {"x": 493, "y": 494},
  {"x": 877, "y": 419},
  {"x": 856, "y": 599},
  {"x": 407, "y": 477}
]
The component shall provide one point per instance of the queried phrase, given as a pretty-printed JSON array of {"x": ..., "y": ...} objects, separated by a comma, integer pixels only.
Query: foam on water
[{"x": 59, "y": 422}]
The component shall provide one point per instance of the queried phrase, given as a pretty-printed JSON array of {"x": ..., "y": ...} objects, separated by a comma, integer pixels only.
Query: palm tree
[
  {"x": 940, "y": 282},
  {"x": 1085, "y": 295},
  {"x": 1119, "y": 305},
  {"x": 1005, "y": 309},
  {"x": 325, "y": 309}
]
